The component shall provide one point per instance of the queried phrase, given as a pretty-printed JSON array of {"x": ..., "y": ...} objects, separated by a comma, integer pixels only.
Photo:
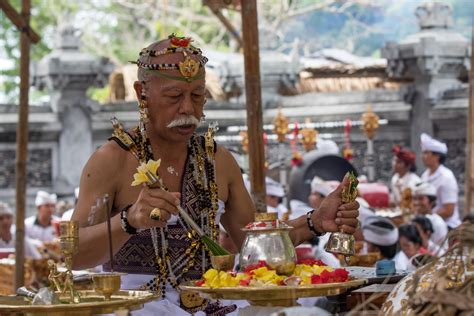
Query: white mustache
[{"x": 184, "y": 120}]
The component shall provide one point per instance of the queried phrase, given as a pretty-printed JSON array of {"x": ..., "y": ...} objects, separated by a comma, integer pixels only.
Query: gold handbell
[{"x": 341, "y": 243}]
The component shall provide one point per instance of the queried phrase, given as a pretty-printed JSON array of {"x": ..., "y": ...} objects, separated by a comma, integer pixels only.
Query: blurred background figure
[
  {"x": 40, "y": 226},
  {"x": 403, "y": 165},
  {"x": 425, "y": 230},
  {"x": 68, "y": 214},
  {"x": 7, "y": 234},
  {"x": 274, "y": 198},
  {"x": 319, "y": 190},
  {"x": 381, "y": 235},
  {"x": 423, "y": 201},
  {"x": 434, "y": 157},
  {"x": 410, "y": 245}
]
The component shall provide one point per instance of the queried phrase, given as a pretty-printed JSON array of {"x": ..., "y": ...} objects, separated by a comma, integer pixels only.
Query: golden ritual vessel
[
  {"x": 63, "y": 298},
  {"x": 339, "y": 242}
]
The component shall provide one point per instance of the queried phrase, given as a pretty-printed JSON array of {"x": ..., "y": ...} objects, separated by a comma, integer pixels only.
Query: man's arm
[
  {"x": 330, "y": 217},
  {"x": 239, "y": 208},
  {"x": 98, "y": 178},
  {"x": 446, "y": 210}
]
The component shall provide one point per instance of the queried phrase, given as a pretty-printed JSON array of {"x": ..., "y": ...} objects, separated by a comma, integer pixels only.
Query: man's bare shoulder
[
  {"x": 107, "y": 157},
  {"x": 226, "y": 164}
]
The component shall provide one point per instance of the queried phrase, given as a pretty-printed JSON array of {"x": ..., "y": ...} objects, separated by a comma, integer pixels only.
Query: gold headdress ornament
[{"x": 189, "y": 68}]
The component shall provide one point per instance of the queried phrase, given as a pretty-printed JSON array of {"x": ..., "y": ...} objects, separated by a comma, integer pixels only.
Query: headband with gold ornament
[{"x": 189, "y": 68}]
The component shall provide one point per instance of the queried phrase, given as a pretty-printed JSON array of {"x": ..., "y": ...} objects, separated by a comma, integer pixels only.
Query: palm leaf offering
[{"x": 148, "y": 174}]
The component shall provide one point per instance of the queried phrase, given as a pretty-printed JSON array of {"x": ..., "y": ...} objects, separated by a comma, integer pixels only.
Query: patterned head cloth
[
  {"x": 405, "y": 155},
  {"x": 189, "y": 67}
]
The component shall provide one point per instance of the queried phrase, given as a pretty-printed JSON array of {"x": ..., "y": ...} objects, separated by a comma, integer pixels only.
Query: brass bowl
[
  {"x": 106, "y": 284},
  {"x": 223, "y": 263}
]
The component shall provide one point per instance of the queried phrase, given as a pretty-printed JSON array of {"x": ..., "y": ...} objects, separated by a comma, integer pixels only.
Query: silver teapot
[{"x": 268, "y": 239}]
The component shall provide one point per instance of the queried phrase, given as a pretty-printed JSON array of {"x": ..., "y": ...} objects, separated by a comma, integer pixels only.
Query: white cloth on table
[
  {"x": 399, "y": 184},
  {"x": 35, "y": 231},
  {"x": 446, "y": 191}
]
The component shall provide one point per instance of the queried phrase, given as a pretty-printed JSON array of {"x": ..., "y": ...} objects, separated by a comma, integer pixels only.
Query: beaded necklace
[{"x": 206, "y": 191}]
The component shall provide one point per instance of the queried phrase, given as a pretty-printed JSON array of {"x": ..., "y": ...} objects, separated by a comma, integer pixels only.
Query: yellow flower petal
[
  {"x": 153, "y": 165},
  {"x": 139, "y": 179}
]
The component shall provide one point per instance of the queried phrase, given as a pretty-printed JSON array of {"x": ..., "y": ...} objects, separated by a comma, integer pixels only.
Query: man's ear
[{"x": 137, "y": 85}]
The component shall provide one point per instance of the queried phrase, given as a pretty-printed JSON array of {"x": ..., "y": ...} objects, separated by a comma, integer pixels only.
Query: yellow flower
[{"x": 141, "y": 176}]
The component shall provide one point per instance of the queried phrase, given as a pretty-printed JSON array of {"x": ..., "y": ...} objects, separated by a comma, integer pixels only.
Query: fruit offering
[{"x": 307, "y": 272}]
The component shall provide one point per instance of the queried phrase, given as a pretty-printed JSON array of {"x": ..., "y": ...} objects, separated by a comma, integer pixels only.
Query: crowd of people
[{"x": 41, "y": 229}]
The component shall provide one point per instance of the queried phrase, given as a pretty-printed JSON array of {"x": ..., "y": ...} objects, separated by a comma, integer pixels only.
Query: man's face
[
  {"x": 6, "y": 221},
  {"x": 174, "y": 102},
  {"x": 46, "y": 210},
  {"x": 429, "y": 159},
  {"x": 421, "y": 204}
]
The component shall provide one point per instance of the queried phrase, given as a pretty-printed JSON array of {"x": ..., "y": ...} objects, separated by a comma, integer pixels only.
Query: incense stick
[{"x": 109, "y": 232}]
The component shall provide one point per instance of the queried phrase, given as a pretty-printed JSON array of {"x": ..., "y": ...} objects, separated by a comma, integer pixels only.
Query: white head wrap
[
  {"x": 43, "y": 197},
  {"x": 327, "y": 146},
  {"x": 424, "y": 188},
  {"x": 5, "y": 209},
  {"x": 428, "y": 143},
  {"x": 320, "y": 186},
  {"x": 274, "y": 188},
  {"x": 379, "y": 235}
]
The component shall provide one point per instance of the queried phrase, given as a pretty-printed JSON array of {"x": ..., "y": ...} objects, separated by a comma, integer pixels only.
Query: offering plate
[
  {"x": 91, "y": 303},
  {"x": 273, "y": 295}
]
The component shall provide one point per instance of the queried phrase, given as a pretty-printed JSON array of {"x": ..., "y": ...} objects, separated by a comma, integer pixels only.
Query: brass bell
[{"x": 341, "y": 243}]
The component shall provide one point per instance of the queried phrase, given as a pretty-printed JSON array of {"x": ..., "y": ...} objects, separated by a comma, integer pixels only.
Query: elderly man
[
  {"x": 196, "y": 174},
  {"x": 7, "y": 233},
  {"x": 434, "y": 156},
  {"x": 40, "y": 226}
]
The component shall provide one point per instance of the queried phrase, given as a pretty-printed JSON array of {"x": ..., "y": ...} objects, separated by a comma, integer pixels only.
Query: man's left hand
[{"x": 334, "y": 216}]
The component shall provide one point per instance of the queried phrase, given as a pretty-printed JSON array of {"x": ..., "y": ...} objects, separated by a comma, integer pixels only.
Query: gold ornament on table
[
  {"x": 69, "y": 240},
  {"x": 370, "y": 123},
  {"x": 340, "y": 242},
  {"x": 281, "y": 126},
  {"x": 309, "y": 136}
]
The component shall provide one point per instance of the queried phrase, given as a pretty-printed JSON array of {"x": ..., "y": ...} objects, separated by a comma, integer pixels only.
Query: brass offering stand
[{"x": 106, "y": 297}]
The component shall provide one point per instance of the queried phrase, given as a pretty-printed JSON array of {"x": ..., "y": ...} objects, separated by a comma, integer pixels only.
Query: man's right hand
[{"x": 150, "y": 198}]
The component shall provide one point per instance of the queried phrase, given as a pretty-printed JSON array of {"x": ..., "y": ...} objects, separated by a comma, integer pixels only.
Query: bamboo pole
[
  {"x": 469, "y": 177},
  {"x": 254, "y": 103},
  {"x": 22, "y": 145},
  {"x": 16, "y": 19}
]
